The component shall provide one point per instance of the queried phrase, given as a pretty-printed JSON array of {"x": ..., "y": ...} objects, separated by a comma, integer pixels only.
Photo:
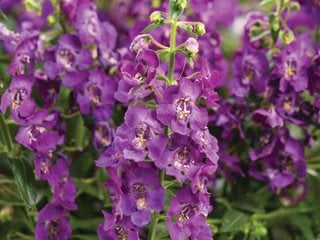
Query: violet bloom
[
  {"x": 20, "y": 89},
  {"x": 256, "y": 22},
  {"x": 268, "y": 117},
  {"x": 186, "y": 217},
  {"x": 292, "y": 65},
  {"x": 282, "y": 164},
  {"x": 214, "y": 12},
  {"x": 250, "y": 70},
  {"x": 209, "y": 80},
  {"x": 96, "y": 95},
  {"x": 53, "y": 223},
  {"x": 144, "y": 71},
  {"x": 38, "y": 138},
  {"x": 42, "y": 165},
  {"x": 185, "y": 157},
  {"x": 68, "y": 57},
  {"x": 64, "y": 190},
  {"x": 178, "y": 108},
  {"x": 103, "y": 134},
  {"x": 24, "y": 56},
  {"x": 140, "y": 133},
  {"x": 229, "y": 165},
  {"x": 141, "y": 193},
  {"x": 115, "y": 228}
]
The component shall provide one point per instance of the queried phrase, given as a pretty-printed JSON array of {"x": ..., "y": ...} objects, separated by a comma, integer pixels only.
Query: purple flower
[
  {"x": 184, "y": 157},
  {"x": 114, "y": 228},
  {"x": 292, "y": 65},
  {"x": 144, "y": 71},
  {"x": 256, "y": 22},
  {"x": 229, "y": 165},
  {"x": 67, "y": 58},
  {"x": 52, "y": 223},
  {"x": 24, "y": 56},
  {"x": 281, "y": 163},
  {"x": 19, "y": 90},
  {"x": 141, "y": 193},
  {"x": 268, "y": 118},
  {"x": 178, "y": 108},
  {"x": 140, "y": 133},
  {"x": 96, "y": 95},
  {"x": 186, "y": 216},
  {"x": 209, "y": 80},
  {"x": 64, "y": 190},
  {"x": 103, "y": 134},
  {"x": 250, "y": 70}
]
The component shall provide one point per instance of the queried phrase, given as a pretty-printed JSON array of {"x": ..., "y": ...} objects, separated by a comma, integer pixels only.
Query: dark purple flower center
[
  {"x": 143, "y": 134},
  {"x": 140, "y": 193},
  {"x": 249, "y": 72},
  {"x": 18, "y": 97},
  {"x": 186, "y": 212},
  {"x": 290, "y": 68},
  {"x": 94, "y": 93},
  {"x": 35, "y": 133},
  {"x": 182, "y": 160},
  {"x": 66, "y": 58},
  {"x": 121, "y": 232},
  {"x": 103, "y": 135},
  {"x": 53, "y": 229},
  {"x": 183, "y": 108}
]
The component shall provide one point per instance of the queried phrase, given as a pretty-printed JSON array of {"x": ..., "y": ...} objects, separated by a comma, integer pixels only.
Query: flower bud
[
  {"x": 140, "y": 42},
  {"x": 156, "y": 17},
  {"x": 200, "y": 29},
  {"x": 192, "y": 46}
]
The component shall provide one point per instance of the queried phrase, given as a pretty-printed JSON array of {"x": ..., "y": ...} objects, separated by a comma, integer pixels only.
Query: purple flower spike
[
  {"x": 186, "y": 217},
  {"x": 178, "y": 108}
]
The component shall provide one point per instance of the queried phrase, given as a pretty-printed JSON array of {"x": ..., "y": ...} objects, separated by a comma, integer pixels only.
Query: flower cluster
[{"x": 138, "y": 99}]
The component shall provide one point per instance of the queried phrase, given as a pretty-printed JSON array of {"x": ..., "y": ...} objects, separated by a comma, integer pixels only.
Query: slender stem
[
  {"x": 155, "y": 216},
  {"x": 5, "y": 134},
  {"x": 281, "y": 213},
  {"x": 172, "y": 51}
]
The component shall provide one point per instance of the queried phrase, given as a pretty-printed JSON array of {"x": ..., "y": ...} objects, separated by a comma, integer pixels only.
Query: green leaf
[
  {"x": 177, "y": 7},
  {"x": 249, "y": 205},
  {"x": 151, "y": 27},
  {"x": 268, "y": 3},
  {"x": 86, "y": 187},
  {"x": 85, "y": 224},
  {"x": 77, "y": 132},
  {"x": 258, "y": 33},
  {"x": 233, "y": 220},
  {"x": 164, "y": 55},
  {"x": 24, "y": 177},
  {"x": 304, "y": 223},
  {"x": 84, "y": 237}
]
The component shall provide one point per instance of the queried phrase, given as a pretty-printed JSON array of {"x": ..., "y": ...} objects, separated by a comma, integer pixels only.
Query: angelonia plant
[{"x": 159, "y": 119}]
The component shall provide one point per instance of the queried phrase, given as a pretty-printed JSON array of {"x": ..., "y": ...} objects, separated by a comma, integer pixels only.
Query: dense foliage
[{"x": 160, "y": 119}]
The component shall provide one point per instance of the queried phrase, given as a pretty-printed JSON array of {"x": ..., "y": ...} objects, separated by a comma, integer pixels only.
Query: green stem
[
  {"x": 5, "y": 134},
  {"x": 280, "y": 213},
  {"x": 155, "y": 216},
  {"x": 172, "y": 51}
]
